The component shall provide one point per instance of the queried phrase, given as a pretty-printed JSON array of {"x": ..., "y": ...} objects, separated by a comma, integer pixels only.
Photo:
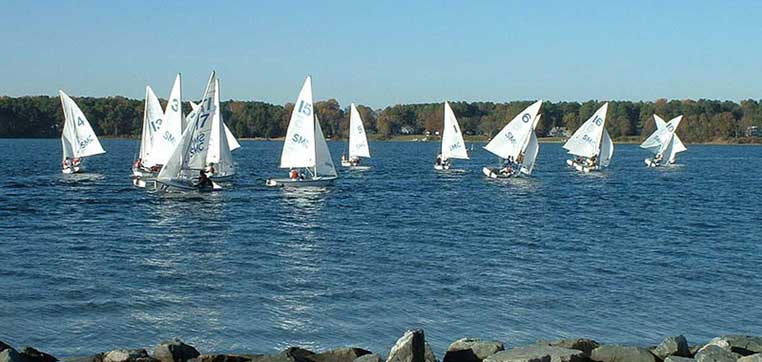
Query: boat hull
[
  {"x": 287, "y": 182},
  {"x": 442, "y": 167},
  {"x": 494, "y": 173},
  {"x": 179, "y": 186},
  {"x": 582, "y": 168}
]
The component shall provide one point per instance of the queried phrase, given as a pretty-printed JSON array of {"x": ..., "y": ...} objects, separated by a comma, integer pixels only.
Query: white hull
[
  {"x": 443, "y": 167},
  {"x": 582, "y": 168},
  {"x": 178, "y": 186},
  {"x": 359, "y": 168},
  {"x": 287, "y": 182},
  {"x": 650, "y": 163},
  {"x": 494, "y": 173},
  {"x": 222, "y": 178}
]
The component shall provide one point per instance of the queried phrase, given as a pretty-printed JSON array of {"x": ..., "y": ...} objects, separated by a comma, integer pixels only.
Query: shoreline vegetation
[
  {"x": 412, "y": 347},
  {"x": 705, "y": 121}
]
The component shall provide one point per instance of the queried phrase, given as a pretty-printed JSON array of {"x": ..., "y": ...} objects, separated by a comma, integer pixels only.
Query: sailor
[
  {"x": 75, "y": 162},
  {"x": 66, "y": 163},
  {"x": 593, "y": 160},
  {"x": 138, "y": 163},
  {"x": 520, "y": 159},
  {"x": 439, "y": 160},
  {"x": 203, "y": 180},
  {"x": 293, "y": 174},
  {"x": 210, "y": 169},
  {"x": 343, "y": 157},
  {"x": 507, "y": 170}
]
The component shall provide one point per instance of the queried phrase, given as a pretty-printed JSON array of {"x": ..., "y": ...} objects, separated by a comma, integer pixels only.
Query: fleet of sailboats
[
  {"x": 305, "y": 152},
  {"x": 358, "y": 141},
  {"x": 591, "y": 144},
  {"x": 190, "y": 153},
  {"x": 664, "y": 142},
  {"x": 453, "y": 146},
  {"x": 516, "y": 145},
  {"x": 78, "y": 139}
]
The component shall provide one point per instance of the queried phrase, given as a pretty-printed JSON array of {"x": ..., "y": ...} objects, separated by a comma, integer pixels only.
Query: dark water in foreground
[{"x": 90, "y": 263}]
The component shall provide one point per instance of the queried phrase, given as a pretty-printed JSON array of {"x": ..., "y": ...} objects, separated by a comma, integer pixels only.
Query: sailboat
[
  {"x": 358, "y": 141},
  {"x": 219, "y": 159},
  {"x": 78, "y": 138},
  {"x": 516, "y": 145},
  {"x": 591, "y": 144},
  {"x": 453, "y": 146},
  {"x": 185, "y": 169},
  {"x": 664, "y": 142},
  {"x": 305, "y": 151},
  {"x": 162, "y": 130}
]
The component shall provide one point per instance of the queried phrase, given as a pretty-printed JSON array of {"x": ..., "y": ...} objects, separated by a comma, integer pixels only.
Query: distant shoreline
[{"x": 419, "y": 138}]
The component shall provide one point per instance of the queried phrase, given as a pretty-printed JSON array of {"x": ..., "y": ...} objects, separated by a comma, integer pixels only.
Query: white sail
[
  {"x": 358, "y": 141},
  {"x": 324, "y": 164},
  {"x": 219, "y": 151},
  {"x": 173, "y": 115},
  {"x": 78, "y": 138},
  {"x": 586, "y": 140},
  {"x": 232, "y": 142},
  {"x": 607, "y": 149},
  {"x": 453, "y": 145},
  {"x": 664, "y": 140},
  {"x": 202, "y": 132},
  {"x": 299, "y": 145},
  {"x": 530, "y": 154},
  {"x": 154, "y": 150},
  {"x": 510, "y": 141}
]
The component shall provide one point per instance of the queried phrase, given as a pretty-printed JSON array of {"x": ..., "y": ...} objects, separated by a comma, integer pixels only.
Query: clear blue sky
[{"x": 386, "y": 52}]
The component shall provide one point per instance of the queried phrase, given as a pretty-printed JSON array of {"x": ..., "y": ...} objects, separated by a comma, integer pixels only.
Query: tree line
[{"x": 705, "y": 120}]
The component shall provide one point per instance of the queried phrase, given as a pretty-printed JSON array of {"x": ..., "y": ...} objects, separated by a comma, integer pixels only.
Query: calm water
[{"x": 90, "y": 263}]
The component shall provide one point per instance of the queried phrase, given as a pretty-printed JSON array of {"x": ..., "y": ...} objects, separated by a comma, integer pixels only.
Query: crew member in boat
[
  {"x": 203, "y": 180},
  {"x": 439, "y": 160},
  {"x": 76, "y": 161},
  {"x": 210, "y": 169},
  {"x": 344, "y": 158},
  {"x": 520, "y": 159},
  {"x": 66, "y": 163},
  {"x": 592, "y": 161},
  {"x": 138, "y": 163},
  {"x": 658, "y": 158},
  {"x": 507, "y": 170},
  {"x": 293, "y": 174},
  {"x": 156, "y": 168},
  {"x": 354, "y": 161}
]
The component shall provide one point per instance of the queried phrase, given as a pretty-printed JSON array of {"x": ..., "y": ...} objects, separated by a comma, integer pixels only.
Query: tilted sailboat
[
  {"x": 516, "y": 145},
  {"x": 305, "y": 151},
  {"x": 358, "y": 141},
  {"x": 162, "y": 130},
  {"x": 664, "y": 142},
  {"x": 219, "y": 160},
  {"x": 453, "y": 146},
  {"x": 185, "y": 169},
  {"x": 78, "y": 138},
  {"x": 591, "y": 144}
]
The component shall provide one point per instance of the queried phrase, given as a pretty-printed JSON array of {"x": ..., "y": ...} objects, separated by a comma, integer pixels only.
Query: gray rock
[
  {"x": 4, "y": 346},
  {"x": 174, "y": 351},
  {"x": 224, "y": 358},
  {"x": 615, "y": 353},
  {"x": 714, "y": 353},
  {"x": 672, "y": 346},
  {"x": 411, "y": 347},
  {"x": 94, "y": 358},
  {"x": 582, "y": 344},
  {"x": 126, "y": 355},
  {"x": 538, "y": 353},
  {"x": 428, "y": 354},
  {"x": 347, "y": 354},
  {"x": 11, "y": 355},
  {"x": 678, "y": 359},
  {"x": 369, "y": 358},
  {"x": 757, "y": 357},
  {"x": 471, "y": 350},
  {"x": 743, "y": 345},
  {"x": 33, "y": 355}
]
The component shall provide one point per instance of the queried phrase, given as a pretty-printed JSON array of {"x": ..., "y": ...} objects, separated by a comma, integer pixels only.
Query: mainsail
[
  {"x": 299, "y": 145},
  {"x": 453, "y": 145},
  {"x": 78, "y": 138},
  {"x": 324, "y": 164},
  {"x": 512, "y": 139},
  {"x": 664, "y": 141},
  {"x": 190, "y": 153},
  {"x": 586, "y": 141},
  {"x": 358, "y": 141},
  {"x": 219, "y": 150},
  {"x": 152, "y": 150}
]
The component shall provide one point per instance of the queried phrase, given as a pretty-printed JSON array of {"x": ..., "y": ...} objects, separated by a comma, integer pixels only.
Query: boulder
[
  {"x": 369, "y": 358},
  {"x": 223, "y": 358},
  {"x": 348, "y": 354},
  {"x": 126, "y": 355},
  {"x": 672, "y": 346},
  {"x": 471, "y": 350},
  {"x": 174, "y": 350},
  {"x": 428, "y": 354},
  {"x": 678, "y": 359},
  {"x": 743, "y": 345},
  {"x": 94, "y": 358},
  {"x": 411, "y": 347},
  {"x": 4, "y": 346},
  {"x": 11, "y": 355},
  {"x": 714, "y": 353},
  {"x": 33, "y": 355},
  {"x": 582, "y": 344},
  {"x": 538, "y": 353},
  {"x": 615, "y": 353},
  {"x": 757, "y": 357}
]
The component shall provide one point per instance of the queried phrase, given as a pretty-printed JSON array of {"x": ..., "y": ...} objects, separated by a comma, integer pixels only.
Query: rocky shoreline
[{"x": 412, "y": 347}]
